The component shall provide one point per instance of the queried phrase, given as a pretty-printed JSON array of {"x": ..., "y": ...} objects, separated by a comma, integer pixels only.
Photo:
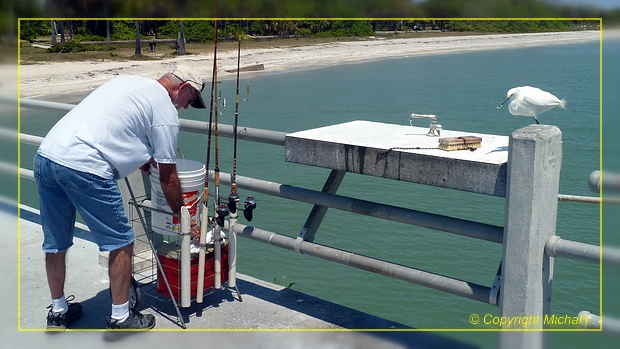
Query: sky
[{"x": 604, "y": 4}]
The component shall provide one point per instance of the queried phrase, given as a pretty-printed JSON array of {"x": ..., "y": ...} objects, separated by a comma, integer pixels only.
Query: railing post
[{"x": 532, "y": 184}]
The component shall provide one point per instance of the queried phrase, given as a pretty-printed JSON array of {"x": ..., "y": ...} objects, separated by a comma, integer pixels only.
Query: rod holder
[
  {"x": 435, "y": 128},
  {"x": 185, "y": 238}
]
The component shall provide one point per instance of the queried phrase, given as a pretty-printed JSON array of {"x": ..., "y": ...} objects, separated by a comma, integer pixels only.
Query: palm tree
[
  {"x": 53, "y": 27},
  {"x": 181, "y": 39},
  {"x": 138, "y": 53},
  {"x": 108, "y": 34}
]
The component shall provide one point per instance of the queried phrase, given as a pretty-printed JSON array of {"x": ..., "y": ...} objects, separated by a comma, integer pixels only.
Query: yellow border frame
[{"x": 20, "y": 329}]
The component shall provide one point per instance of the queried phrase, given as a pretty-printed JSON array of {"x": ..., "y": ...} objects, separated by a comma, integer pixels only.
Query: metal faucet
[{"x": 435, "y": 128}]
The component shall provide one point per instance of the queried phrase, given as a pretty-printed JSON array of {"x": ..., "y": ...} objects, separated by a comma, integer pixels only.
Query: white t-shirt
[{"x": 116, "y": 129}]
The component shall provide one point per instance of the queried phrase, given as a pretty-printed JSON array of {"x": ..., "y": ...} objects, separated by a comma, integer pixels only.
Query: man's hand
[
  {"x": 146, "y": 168},
  {"x": 171, "y": 185},
  {"x": 195, "y": 231}
]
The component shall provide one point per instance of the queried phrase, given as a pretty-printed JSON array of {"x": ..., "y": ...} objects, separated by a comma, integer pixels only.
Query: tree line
[
  {"x": 204, "y": 30},
  {"x": 10, "y": 11}
]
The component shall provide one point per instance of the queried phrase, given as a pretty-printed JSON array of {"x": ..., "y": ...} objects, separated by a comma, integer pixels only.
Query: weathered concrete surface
[
  {"x": 531, "y": 212},
  {"x": 357, "y": 147}
]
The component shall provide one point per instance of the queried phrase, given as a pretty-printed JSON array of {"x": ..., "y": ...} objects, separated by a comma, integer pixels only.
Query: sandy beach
[{"x": 46, "y": 80}]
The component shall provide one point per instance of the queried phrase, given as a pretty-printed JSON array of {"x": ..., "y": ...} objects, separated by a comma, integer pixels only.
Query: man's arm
[
  {"x": 171, "y": 186},
  {"x": 146, "y": 168}
]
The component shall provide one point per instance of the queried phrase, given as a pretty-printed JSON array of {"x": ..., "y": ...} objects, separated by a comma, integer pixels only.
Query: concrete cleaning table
[{"x": 360, "y": 147}]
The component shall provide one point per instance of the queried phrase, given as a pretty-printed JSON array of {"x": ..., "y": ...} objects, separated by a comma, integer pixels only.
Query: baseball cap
[{"x": 186, "y": 74}]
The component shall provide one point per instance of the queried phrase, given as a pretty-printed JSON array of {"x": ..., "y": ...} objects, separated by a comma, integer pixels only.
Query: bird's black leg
[{"x": 536, "y": 119}]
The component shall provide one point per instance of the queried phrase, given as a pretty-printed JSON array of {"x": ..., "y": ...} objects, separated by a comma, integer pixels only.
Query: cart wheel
[{"x": 134, "y": 294}]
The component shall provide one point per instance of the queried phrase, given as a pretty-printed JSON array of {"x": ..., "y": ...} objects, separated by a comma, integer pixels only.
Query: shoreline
[{"x": 52, "y": 80}]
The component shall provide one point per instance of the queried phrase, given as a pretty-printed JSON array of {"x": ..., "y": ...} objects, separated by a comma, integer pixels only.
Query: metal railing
[{"x": 554, "y": 246}]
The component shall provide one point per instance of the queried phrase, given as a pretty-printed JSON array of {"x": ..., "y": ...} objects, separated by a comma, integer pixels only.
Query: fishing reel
[
  {"x": 222, "y": 212},
  {"x": 250, "y": 205},
  {"x": 233, "y": 200}
]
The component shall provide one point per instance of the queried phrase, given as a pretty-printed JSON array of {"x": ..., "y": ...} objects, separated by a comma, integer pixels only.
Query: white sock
[
  {"x": 60, "y": 305},
  {"x": 120, "y": 312}
]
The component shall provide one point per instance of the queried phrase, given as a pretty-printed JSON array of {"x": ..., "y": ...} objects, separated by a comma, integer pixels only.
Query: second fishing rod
[
  {"x": 220, "y": 210},
  {"x": 205, "y": 223}
]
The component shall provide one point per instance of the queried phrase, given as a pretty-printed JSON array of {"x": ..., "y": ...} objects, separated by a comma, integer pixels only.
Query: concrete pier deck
[
  {"x": 270, "y": 316},
  {"x": 264, "y": 305}
]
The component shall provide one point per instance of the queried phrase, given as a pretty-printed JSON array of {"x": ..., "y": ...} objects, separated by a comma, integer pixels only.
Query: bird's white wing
[{"x": 538, "y": 97}]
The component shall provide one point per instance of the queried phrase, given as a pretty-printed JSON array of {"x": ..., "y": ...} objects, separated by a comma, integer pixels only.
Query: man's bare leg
[
  {"x": 120, "y": 273},
  {"x": 56, "y": 269}
]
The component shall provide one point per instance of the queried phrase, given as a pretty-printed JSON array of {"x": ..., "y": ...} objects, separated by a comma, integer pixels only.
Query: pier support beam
[
  {"x": 533, "y": 177},
  {"x": 318, "y": 212}
]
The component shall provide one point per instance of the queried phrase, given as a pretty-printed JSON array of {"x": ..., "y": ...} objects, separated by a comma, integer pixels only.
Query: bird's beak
[{"x": 507, "y": 98}]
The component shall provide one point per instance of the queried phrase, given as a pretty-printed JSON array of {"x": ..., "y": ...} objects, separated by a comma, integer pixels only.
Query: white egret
[{"x": 531, "y": 101}]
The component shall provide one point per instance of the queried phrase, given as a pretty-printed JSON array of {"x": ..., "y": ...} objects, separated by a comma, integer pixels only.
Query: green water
[{"x": 463, "y": 90}]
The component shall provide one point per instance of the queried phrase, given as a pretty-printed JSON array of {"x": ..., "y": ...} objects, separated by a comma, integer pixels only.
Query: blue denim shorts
[{"x": 62, "y": 191}]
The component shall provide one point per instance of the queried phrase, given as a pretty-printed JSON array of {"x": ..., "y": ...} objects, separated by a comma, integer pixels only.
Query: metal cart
[{"x": 171, "y": 268}]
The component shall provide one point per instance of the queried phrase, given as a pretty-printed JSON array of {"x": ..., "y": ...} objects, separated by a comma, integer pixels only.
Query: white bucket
[{"x": 192, "y": 176}]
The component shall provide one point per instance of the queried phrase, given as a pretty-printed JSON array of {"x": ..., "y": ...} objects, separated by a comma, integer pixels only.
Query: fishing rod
[
  {"x": 250, "y": 203},
  {"x": 204, "y": 222},
  {"x": 221, "y": 210},
  {"x": 233, "y": 197}
]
